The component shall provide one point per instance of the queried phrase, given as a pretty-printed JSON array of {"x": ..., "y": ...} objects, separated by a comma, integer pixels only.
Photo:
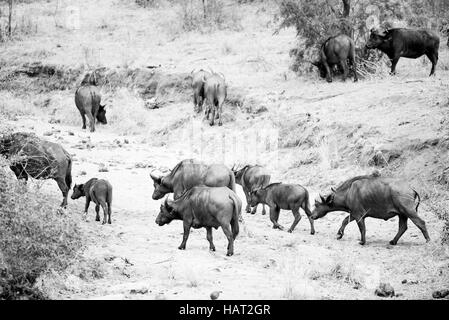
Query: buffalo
[
  {"x": 407, "y": 43},
  {"x": 372, "y": 197},
  {"x": 39, "y": 159},
  {"x": 287, "y": 197},
  {"x": 252, "y": 178},
  {"x": 100, "y": 192},
  {"x": 190, "y": 173},
  {"x": 88, "y": 102},
  {"x": 198, "y": 83},
  {"x": 337, "y": 51},
  {"x": 216, "y": 91},
  {"x": 204, "y": 207}
]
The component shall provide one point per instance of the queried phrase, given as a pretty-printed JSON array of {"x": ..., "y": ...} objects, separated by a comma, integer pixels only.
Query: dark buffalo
[
  {"x": 407, "y": 43},
  {"x": 199, "y": 94},
  {"x": 337, "y": 51},
  {"x": 88, "y": 102},
  {"x": 191, "y": 173},
  {"x": 252, "y": 178},
  {"x": 216, "y": 91},
  {"x": 372, "y": 197},
  {"x": 100, "y": 192},
  {"x": 38, "y": 159},
  {"x": 287, "y": 197},
  {"x": 204, "y": 207}
]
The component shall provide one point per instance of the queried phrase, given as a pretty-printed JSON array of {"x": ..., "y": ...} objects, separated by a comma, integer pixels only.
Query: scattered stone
[
  {"x": 139, "y": 291},
  {"x": 440, "y": 294},
  {"x": 53, "y": 121},
  {"x": 48, "y": 133},
  {"x": 70, "y": 133},
  {"x": 214, "y": 295},
  {"x": 126, "y": 141},
  {"x": 103, "y": 168},
  {"x": 83, "y": 173},
  {"x": 385, "y": 290}
]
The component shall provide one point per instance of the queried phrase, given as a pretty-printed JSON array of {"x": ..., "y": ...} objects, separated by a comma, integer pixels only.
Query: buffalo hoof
[
  {"x": 290, "y": 231},
  {"x": 109, "y": 222},
  {"x": 212, "y": 249},
  {"x": 220, "y": 124},
  {"x": 264, "y": 213},
  {"x": 248, "y": 210},
  {"x": 362, "y": 243},
  {"x": 339, "y": 236},
  {"x": 229, "y": 254},
  {"x": 181, "y": 248},
  {"x": 97, "y": 219},
  {"x": 393, "y": 243},
  {"x": 329, "y": 80},
  {"x": 103, "y": 223},
  {"x": 84, "y": 128},
  {"x": 312, "y": 233}
]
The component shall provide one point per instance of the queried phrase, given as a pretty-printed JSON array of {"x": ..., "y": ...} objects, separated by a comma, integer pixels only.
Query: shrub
[{"x": 33, "y": 237}]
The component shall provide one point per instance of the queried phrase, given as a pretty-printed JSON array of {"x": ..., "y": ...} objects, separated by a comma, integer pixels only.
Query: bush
[
  {"x": 33, "y": 237},
  {"x": 206, "y": 16}
]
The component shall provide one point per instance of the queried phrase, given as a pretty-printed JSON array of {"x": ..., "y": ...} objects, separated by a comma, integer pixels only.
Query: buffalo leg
[
  {"x": 419, "y": 223},
  {"x": 274, "y": 216},
  {"x": 91, "y": 121},
  {"x": 97, "y": 210},
  {"x": 309, "y": 216},
  {"x": 433, "y": 57},
  {"x": 83, "y": 116},
  {"x": 86, "y": 206},
  {"x": 345, "y": 222},
  {"x": 328, "y": 71},
  {"x": 297, "y": 216},
  {"x": 104, "y": 206},
  {"x": 344, "y": 66},
  {"x": 64, "y": 189},
  {"x": 209, "y": 238},
  {"x": 254, "y": 211},
  {"x": 227, "y": 231},
  {"x": 264, "y": 212},
  {"x": 394, "y": 63},
  {"x": 362, "y": 228},
  {"x": 401, "y": 230},
  {"x": 354, "y": 68},
  {"x": 248, "y": 206},
  {"x": 212, "y": 120},
  {"x": 109, "y": 213},
  {"x": 220, "y": 110},
  {"x": 185, "y": 236}
]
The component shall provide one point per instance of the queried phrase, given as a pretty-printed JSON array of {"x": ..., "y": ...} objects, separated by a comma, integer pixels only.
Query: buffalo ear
[
  {"x": 322, "y": 199},
  {"x": 329, "y": 199}
]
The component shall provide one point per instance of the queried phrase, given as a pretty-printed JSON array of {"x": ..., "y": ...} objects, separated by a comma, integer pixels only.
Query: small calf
[{"x": 100, "y": 192}]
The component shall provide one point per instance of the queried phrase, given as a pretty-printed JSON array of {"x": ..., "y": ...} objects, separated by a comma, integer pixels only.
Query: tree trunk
[
  {"x": 204, "y": 9},
  {"x": 10, "y": 17},
  {"x": 346, "y": 8}
]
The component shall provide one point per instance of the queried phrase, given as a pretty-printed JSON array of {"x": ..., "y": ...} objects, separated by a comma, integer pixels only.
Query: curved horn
[
  {"x": 333, "y": 190},
  {"x": 153, "y": 176},
  {"x": 323, "y": 200},
  {"x": 223, "y": 76}
]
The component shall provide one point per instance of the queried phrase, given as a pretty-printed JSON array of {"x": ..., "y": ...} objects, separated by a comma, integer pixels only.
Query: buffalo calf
[
  {"x": 100, "y": 192},
  {"x": 287, "y": 197}
]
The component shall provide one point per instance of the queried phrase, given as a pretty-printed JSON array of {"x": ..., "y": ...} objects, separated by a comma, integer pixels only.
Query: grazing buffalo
[
  {"x": 287, "y": 197},
  {"x": 87, "y": 100},
  {"x": 216, "y": 91},
  {"x": 100, "y": 192},
  {"x": 198, "y": 82},
  {"x": 191, "y": 173},
  {"x": 372, "y": 197},
  {"x": 38, "y": 159},
  {"x": 204, "y": 207},
  {"x": 337, "y": 51},
  {"x": 407, "y": 43},
  {"x": 252, "y": 178}
]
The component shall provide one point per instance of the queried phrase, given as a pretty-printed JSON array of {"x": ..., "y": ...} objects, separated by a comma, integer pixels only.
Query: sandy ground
[{"x": 140, "y": 260}]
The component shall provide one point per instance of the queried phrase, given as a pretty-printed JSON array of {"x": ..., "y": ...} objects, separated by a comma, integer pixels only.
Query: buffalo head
[
  {"x": 377, "y": 38},
  {"x": 323, "y": 207},
  {"x": 160, "y": 190},
  {"x": 78, "y": 191},
  {"x": 257, "y": 196},
  {"x": 166, "y": 214},
  {"x": 101, "y": 115}
]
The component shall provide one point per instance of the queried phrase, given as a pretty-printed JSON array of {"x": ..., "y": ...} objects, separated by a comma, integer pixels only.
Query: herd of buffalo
[{"x": 204, "y": 195}]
